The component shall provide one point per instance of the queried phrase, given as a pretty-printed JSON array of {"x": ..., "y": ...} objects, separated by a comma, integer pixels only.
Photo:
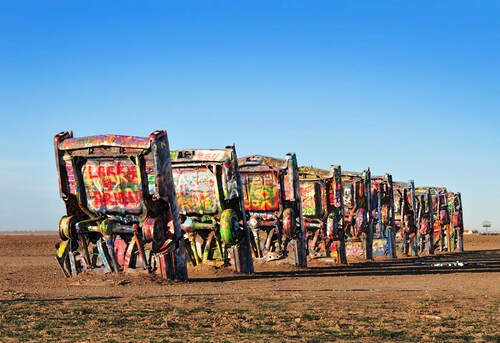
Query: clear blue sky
[{"x": 406, "y": 87}]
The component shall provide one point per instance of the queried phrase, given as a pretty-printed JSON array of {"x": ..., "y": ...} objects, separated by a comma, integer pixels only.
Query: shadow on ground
[{"x": 481, "y": 261}]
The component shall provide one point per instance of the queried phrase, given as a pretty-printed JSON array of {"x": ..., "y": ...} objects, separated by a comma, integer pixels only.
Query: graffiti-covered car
[
  {"x": 405, "y": 216},
  {"x": 121, "y": 208},
  {"x": 323, "y": 210},
  {"x": 456, "y": 221},
  {"x": 358, "y": 213},
  {"x": 437, "y": 197},
  {"x": 273, "y": 204},
  {"x": 382, "y": 196},
  {"x": 442, "y": 219},
  {"x": 211, "y": 208},
  {"x": 425, "y": 219}
]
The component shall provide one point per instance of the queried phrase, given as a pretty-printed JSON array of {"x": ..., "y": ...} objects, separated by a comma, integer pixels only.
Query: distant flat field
[
  {"x": 377, "y": 301},
  {"x": 30, "y": 233}
]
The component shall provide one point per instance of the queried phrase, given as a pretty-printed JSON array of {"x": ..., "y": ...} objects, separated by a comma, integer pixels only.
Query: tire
[
  {"x": 289, "y": 223},
  {"x": 67, "y": 228},
  {"x": 230, "y": 231},
  {"x": 155, "y": 231}
]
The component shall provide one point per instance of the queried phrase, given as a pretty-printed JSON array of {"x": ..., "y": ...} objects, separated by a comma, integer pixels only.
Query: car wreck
[
  {"x": 456, "y": 221},
  {"x": 273, "y": 204},
  {"x": 406, "y": 217},
  {"x": 212, "y": 212},
  {"x": 383, "y": 214},
  {"x": 323, "y": 210},
  {"x": 121, "y": 208},
  {"x": 359, "y": 226},
  {"x": 425, "y": 219}
]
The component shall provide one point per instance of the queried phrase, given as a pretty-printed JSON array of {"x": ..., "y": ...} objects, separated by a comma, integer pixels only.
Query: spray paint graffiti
[
  {"x": 261, "y": 191},
  {"x": 321, "y": 192},
  {"x": 308, "y": 194},
  {"x": 358, "y": 214},
  {"x": 273, "y": 202},
  {"x": 196, "y": 190},
  {"x": 405, "y": 217},
  {"x": 354, "y": 248},
  {"x": 129, "y": 142},
  {"x": 70, "y": 174},
  {"x": 348, "y": 198},
  {"x": 112, "y": 186},
  {"x": 434, "y": 219},
  {"x": 115, "y": 221},
  {"x": 380, "y": 247},
  {"x": 456, "y": 220},
  {"x": 335, "y": 192},
  {"x": 383, "y": 213},
  {"x": 210, "y": 197},
  {"x": 289, "y": 187}
]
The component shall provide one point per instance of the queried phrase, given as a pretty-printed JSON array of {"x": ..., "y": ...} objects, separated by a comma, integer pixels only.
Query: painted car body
[
  {"x": 273, "y": 204},
  {"x": 121, "y": 207},
  {"x": 321, "y": 192},
  {"x": 425, "y": 219},
  {"x": 433, "y": 201},
  {"x": 358, "y": 213},
  {"x": 211, "y": 208},
  {"x": 455, "y": 209},
  {"x": 383, "y": 213},
  {"x": 406, "y": 216}
]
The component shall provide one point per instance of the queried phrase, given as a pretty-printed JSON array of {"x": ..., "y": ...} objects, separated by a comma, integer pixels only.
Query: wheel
[
  {"x": 230, "y": 230},
  {"x": 154, "y": 230},
  {"x": 150, "y": 228},
  {"x": 289, "y": 223},
  {"x": 67, "y": 228}
]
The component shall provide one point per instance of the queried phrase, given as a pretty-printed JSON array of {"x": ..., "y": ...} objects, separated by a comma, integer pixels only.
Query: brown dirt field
[{"x": 382, "y": 301}]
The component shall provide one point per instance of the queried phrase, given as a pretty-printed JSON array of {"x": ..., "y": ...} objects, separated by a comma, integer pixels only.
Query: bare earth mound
[{"x": 406, "y": 299}]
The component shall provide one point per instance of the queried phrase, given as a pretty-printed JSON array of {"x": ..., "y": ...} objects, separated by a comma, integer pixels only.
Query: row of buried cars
[{"x": 132, "y": 204}]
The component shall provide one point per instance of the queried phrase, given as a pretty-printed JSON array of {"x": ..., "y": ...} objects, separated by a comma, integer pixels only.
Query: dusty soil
[{"x": 407, "y": 299}]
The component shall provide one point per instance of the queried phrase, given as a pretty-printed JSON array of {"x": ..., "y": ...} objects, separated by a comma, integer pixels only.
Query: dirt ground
[{"x": 404, "y": 299}]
